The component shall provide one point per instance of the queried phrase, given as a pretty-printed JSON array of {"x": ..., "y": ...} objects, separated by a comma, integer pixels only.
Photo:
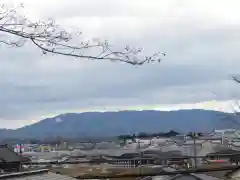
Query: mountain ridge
[{"x": 115, "y": 123}]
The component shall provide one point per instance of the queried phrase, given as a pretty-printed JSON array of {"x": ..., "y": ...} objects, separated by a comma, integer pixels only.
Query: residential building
[
  {"x": 10, "y": 160},
  {"x": 45, "y": 148}
]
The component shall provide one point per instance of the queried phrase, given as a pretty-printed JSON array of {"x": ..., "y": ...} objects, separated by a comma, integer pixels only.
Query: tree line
[{"x": 171, "y": 133}]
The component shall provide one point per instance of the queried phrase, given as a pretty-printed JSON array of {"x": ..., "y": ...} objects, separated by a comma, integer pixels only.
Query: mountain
[{"x": 90, "y": 124}]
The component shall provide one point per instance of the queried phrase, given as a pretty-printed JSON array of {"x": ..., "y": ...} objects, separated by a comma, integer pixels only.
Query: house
[
  {"x": 166, "y": 158},
  {"x": 206, "y": 149},
  {"x": 45, "y": 148},
  {"x": 9, "y": 160},
  {"x": 43, "y": 174},
  {"x": 230, "y": 155}
]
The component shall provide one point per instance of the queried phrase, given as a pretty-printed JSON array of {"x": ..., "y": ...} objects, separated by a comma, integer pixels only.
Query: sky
[{"x": 201, "y": 39}]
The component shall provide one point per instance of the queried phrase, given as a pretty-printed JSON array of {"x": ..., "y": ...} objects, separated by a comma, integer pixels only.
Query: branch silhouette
[{"x": 16, "y": 30}]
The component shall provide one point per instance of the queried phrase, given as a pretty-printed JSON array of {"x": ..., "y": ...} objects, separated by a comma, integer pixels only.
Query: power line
[
  {"x": 162, "y": 173},
  {"x": 124, "y": 160}
]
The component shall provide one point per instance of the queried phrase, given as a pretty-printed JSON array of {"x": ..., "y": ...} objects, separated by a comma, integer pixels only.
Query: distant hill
[{"x": 90, "y": 124}]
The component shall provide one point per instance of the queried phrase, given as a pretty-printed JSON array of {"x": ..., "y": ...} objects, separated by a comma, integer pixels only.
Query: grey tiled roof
[
  {"x": 7, "y": 155},
  {"x": 205, "y": 177},
  {"x": 185, "y": 177},
  {"x": 41, "y": 175}
]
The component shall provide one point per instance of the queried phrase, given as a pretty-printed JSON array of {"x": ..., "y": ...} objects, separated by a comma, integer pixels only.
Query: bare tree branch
[
  {"x": 235, "y": 115},
  {"x": 236, "y": 79},
  {"x": 51, "y": 38}
]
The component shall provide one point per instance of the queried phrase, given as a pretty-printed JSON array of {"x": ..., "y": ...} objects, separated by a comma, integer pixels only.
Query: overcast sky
[{"x": 201, "y": 39}]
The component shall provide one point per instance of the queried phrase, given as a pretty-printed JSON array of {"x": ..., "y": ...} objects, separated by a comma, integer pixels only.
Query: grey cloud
[
  {"x": 196, "y": 68},
  {"x": 104, "y": 8},
  {"x": 90, "y": 91}
]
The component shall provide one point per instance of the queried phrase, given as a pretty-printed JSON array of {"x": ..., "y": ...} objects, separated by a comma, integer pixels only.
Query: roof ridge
[{"x": 11, "y": 175}]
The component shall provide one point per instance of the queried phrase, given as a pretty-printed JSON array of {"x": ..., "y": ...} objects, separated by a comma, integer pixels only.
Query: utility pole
[
  {"x": 194, "y": 136},
  {"x": 140, "y": 154}
]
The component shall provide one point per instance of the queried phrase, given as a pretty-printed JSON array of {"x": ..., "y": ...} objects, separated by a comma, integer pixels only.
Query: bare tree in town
[
  {"x": 233, "y": 118},
  {"x": 16, "y": 30}
]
